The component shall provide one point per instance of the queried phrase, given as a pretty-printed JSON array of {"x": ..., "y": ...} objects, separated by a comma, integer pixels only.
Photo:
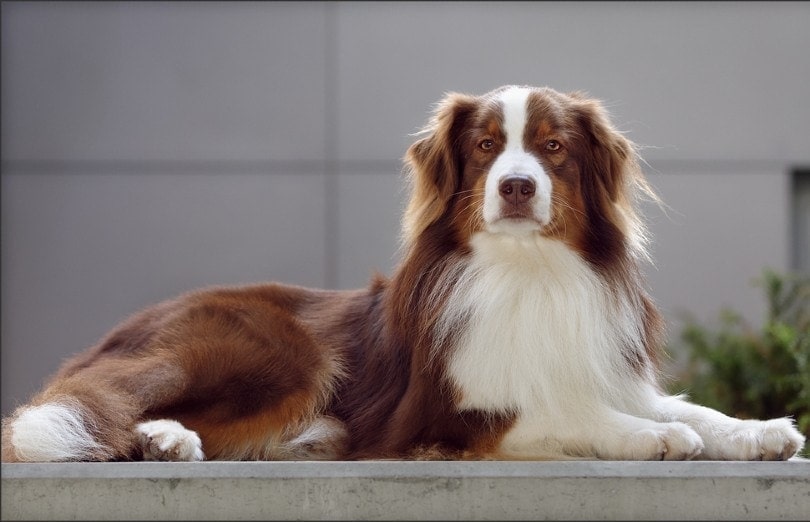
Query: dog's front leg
[
  {"x": 603, "y": 433},
  {"x": 727, "y": 438}
]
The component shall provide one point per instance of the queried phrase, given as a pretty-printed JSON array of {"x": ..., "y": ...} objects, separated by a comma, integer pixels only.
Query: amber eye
[
  {"x": 486, "y": 144},
  {"x": 553, "y": 145}
]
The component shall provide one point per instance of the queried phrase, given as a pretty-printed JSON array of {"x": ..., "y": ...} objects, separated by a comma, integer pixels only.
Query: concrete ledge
[{"x": 584, "y": 490}]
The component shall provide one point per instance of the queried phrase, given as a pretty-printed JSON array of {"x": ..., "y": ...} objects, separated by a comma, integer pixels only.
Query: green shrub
[{"x": 750, "y": 373}]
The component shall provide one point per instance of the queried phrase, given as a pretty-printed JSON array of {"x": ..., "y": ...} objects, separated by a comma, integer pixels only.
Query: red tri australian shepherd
[{"x": 517, "y": 326}]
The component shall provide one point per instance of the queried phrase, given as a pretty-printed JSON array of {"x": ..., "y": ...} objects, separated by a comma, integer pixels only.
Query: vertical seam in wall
[
  {"x": 331, "y": 182},
  {"x": 798, "y": 238}
]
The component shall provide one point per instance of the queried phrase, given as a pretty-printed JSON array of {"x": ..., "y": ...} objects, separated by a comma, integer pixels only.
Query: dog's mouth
[
  {"x": 518, "y": 214},
  {"x": 517, "y": 222}
]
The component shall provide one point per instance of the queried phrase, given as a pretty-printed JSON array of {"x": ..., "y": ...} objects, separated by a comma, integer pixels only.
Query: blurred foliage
[{"x": 750, "y": 373}]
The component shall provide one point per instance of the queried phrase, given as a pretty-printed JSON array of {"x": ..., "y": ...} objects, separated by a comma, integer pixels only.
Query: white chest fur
[{"x": 542, "y": 333}]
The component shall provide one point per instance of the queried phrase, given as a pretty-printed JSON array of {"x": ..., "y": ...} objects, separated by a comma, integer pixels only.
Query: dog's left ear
[
  {"x": 614, "y": 174},
  {"x": 433, "y": 164},
  {"x": 612, "y": 156}
]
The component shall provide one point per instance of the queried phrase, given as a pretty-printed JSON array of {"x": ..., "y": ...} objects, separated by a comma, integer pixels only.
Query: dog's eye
[
  {"x": 553, "y": 145},
  {"x": 486, "y": 144}
]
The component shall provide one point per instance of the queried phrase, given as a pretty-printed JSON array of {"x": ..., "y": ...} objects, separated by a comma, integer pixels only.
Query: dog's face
[{"x": 521, "y": 161}]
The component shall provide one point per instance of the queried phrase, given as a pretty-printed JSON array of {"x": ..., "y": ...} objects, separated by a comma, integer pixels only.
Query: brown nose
[{"x": 517, "y": 189}]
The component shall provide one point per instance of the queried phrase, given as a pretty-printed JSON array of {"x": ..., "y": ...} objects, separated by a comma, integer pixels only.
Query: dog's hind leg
[
  {"x": 325, "y": 438},
  {"x": 90, "y": 413}
]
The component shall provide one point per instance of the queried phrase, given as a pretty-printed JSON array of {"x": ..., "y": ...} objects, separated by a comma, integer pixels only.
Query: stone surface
[{"x": 393, "y": 490}]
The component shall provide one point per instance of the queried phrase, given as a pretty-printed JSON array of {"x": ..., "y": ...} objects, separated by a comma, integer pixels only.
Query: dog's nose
[{"x": 517, "y": 189}]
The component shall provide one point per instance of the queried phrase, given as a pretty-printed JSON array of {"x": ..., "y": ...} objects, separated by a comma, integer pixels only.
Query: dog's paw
[
  {"x": 670, "y": 441},
  {"x": 775, "y": 439},
  {"x": 168, "y": 440}
]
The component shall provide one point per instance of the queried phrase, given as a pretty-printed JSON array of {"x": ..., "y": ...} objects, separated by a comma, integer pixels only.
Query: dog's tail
[{"x": 59, "y": 430}]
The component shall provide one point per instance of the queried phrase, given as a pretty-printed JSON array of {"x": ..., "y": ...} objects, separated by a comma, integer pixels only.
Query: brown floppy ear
[
  {"x": 612, "y": 157},
  {"x": 615, "y": 178},
  {"x": 433, "y": 164}
]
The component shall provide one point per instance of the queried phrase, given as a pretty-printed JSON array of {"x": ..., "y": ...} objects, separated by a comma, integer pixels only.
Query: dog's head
[{"x": 522, "y": 161}]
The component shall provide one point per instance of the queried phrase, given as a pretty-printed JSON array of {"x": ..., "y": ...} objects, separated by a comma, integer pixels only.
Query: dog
[{"x": 516, "y": 326}]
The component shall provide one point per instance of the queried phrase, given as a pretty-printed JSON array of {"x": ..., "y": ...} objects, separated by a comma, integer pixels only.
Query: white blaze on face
[{"x": 514, "y": 160}]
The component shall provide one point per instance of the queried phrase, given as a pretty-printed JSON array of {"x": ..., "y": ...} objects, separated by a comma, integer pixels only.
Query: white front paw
[
  {"x": 670, "y": 441},
  {"x": 775, "y": 439},
  {"x": 168, "y": 440}
]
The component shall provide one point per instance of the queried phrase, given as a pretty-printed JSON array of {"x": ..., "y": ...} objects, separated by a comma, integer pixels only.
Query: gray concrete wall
[
  {"x": 582, "y": 490},
  {"x": 150, "y": 148}
]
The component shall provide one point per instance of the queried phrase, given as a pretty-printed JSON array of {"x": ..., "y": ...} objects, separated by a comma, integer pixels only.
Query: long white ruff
[{"x": 540, "y": 335}]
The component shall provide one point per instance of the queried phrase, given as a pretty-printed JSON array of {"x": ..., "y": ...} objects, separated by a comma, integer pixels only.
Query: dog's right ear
[{"x": 433, "y": 164}]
